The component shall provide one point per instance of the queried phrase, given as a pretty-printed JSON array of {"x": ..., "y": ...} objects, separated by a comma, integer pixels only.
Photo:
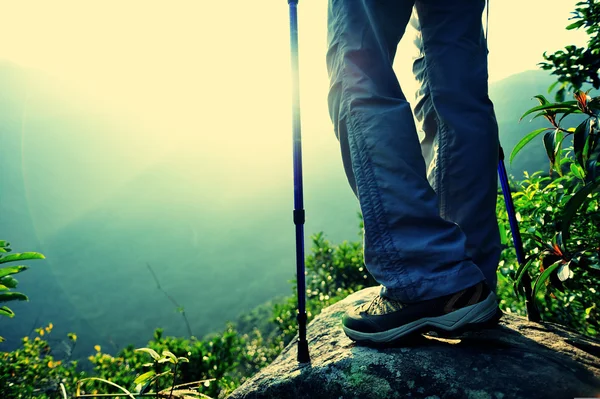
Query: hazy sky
[
  {"x": 227, "y": 51},
  {"x": 214, "y": 76}
]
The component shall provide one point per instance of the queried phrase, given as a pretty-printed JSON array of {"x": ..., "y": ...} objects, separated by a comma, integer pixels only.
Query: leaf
[
  {"x": 590, "y": 142},
  {"x": 142, "y": 378},
  {"x": 171, "y": 356},
  {"x": 542, "y": 99},
  {"x": 520, "y": 273},
  {"x": 7, "y": 270},
  {"x": 589, "y": 310},
  {"x": 553, "y": 86},
  {"x": 78, "y": 391},
  {"x": 577, "y": 171},
  {"x": 555, "y": 107},
  {"x": 503, "y": 234},
  {"x": 558, "y": 240},
  {"x": 571, "y": 207},
  {"x": 544, "y": 276},
  {"x": 143, "y": 388},
  {"x": 594, "y": 104},
  {"x": 5, "y": 311},
  {"x": 557, "y": 152},
  {"x": 12, "y": 296},
  {"x": 151, "y": 352},
  {"x": 9, "y": 281},
  {"x": 563, "y": 272},
  {"x": 575, "y": 25},
  {"x": 549, "y": 145},
  {"x": 525, "y": 140},
  {"x": 567, "y": 113},
  {"x": 22, "y": 256},
  {"x": 579, "y": 139}
]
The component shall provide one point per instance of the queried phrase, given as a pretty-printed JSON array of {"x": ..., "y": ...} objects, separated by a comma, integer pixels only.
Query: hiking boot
[{"x": 386, "y": 320}]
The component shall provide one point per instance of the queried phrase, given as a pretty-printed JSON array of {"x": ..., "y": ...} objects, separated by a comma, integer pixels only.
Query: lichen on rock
[{"x": 516, "y": 359}]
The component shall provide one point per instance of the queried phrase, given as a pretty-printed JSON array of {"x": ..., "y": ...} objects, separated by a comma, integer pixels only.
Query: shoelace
[{"x": 379, "y": 303}]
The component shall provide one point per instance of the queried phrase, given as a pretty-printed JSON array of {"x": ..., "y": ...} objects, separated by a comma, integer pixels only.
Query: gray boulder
[{"x": 517, "y": 359}]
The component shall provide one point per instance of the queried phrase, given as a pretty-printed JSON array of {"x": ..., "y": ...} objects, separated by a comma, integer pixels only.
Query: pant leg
[
  {"x": 461, "y": 133},
  {"x": 413, "y": 252}
]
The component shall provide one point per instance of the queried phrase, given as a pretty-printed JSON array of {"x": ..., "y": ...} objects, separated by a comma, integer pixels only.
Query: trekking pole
[
  {"x": 532, "y": 312},
  {"x": 303, "y": 355}
]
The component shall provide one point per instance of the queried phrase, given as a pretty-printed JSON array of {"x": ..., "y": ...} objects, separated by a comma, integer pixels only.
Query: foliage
[
  {"x": 562, "y": 209},
  {"x": 228, "y": 358},
  {"x": 574, "y": 65},
  {"x": 162, "y": 367},
  {"x": 566, "y": 284},
  {"x": 332, "y": 273},
  {"x": 7, "y": 282},
  {"x": 583, "y": 161},
  {"x": 221, "y": 362},
  {"x": 33, "y": 371}
]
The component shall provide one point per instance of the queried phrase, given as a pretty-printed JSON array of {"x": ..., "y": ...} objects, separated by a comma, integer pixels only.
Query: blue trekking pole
[
  {"x": 303, "y": 355},
  {"x": 532, "y": 311}
]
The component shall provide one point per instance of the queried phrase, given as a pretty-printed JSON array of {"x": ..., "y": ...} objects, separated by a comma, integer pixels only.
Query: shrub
[
  {"x": 566, "y": 284},
  {"x": 7, "y": 282},
  {"x": 332, "y": 273},
  {"x": 575, "y": 66},
  {"x": 32, "y": 370}
]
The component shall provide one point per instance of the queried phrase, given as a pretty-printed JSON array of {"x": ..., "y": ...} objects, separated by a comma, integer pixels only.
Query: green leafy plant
[
  {"x": 7, "y": 281},
  {"x": 574, "y": 66},
  {"x": 570, "y": 245},
  {"x": 565, "y": 275},
  {"x": 33, "y": 371},
  {"x": 211, "y": 367},
  {"x": 332, "y": 273},
  {"x": 221, "y": 361},
  {"x": 163, "y": 368},
  {"x": 562, "y": 236}
]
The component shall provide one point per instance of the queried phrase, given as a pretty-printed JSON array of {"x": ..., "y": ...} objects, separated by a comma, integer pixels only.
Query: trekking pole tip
[{"x": 303, "y": 356}]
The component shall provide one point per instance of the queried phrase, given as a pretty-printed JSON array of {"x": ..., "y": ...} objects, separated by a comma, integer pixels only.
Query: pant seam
[
  {"x": 367, "y": 178},
  {"x": 441, "y": 153}
]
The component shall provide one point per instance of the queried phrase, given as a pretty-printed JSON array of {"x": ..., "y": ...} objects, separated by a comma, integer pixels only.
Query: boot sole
[{"x": 469, "y": 317}]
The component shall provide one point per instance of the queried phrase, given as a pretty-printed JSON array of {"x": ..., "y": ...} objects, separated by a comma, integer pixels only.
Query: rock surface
[{"x": 517, "y": 359}]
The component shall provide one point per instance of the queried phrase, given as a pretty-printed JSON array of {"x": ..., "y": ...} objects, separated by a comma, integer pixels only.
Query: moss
[
  {"x": 362, "y": 381},
  {"x": 477, "y": 394}
]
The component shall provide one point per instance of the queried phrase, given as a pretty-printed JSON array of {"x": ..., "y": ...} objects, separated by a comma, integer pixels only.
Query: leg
[
  {"x": 461, "y": 134},
  {"x": 413, "y": 252}
]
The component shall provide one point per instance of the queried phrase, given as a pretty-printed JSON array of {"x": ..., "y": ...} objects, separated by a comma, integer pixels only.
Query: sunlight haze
[{"x": 136, "y": 132}]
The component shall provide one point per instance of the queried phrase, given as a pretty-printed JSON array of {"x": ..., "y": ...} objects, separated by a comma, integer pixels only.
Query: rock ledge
[{"x": 517, "y": 359}]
